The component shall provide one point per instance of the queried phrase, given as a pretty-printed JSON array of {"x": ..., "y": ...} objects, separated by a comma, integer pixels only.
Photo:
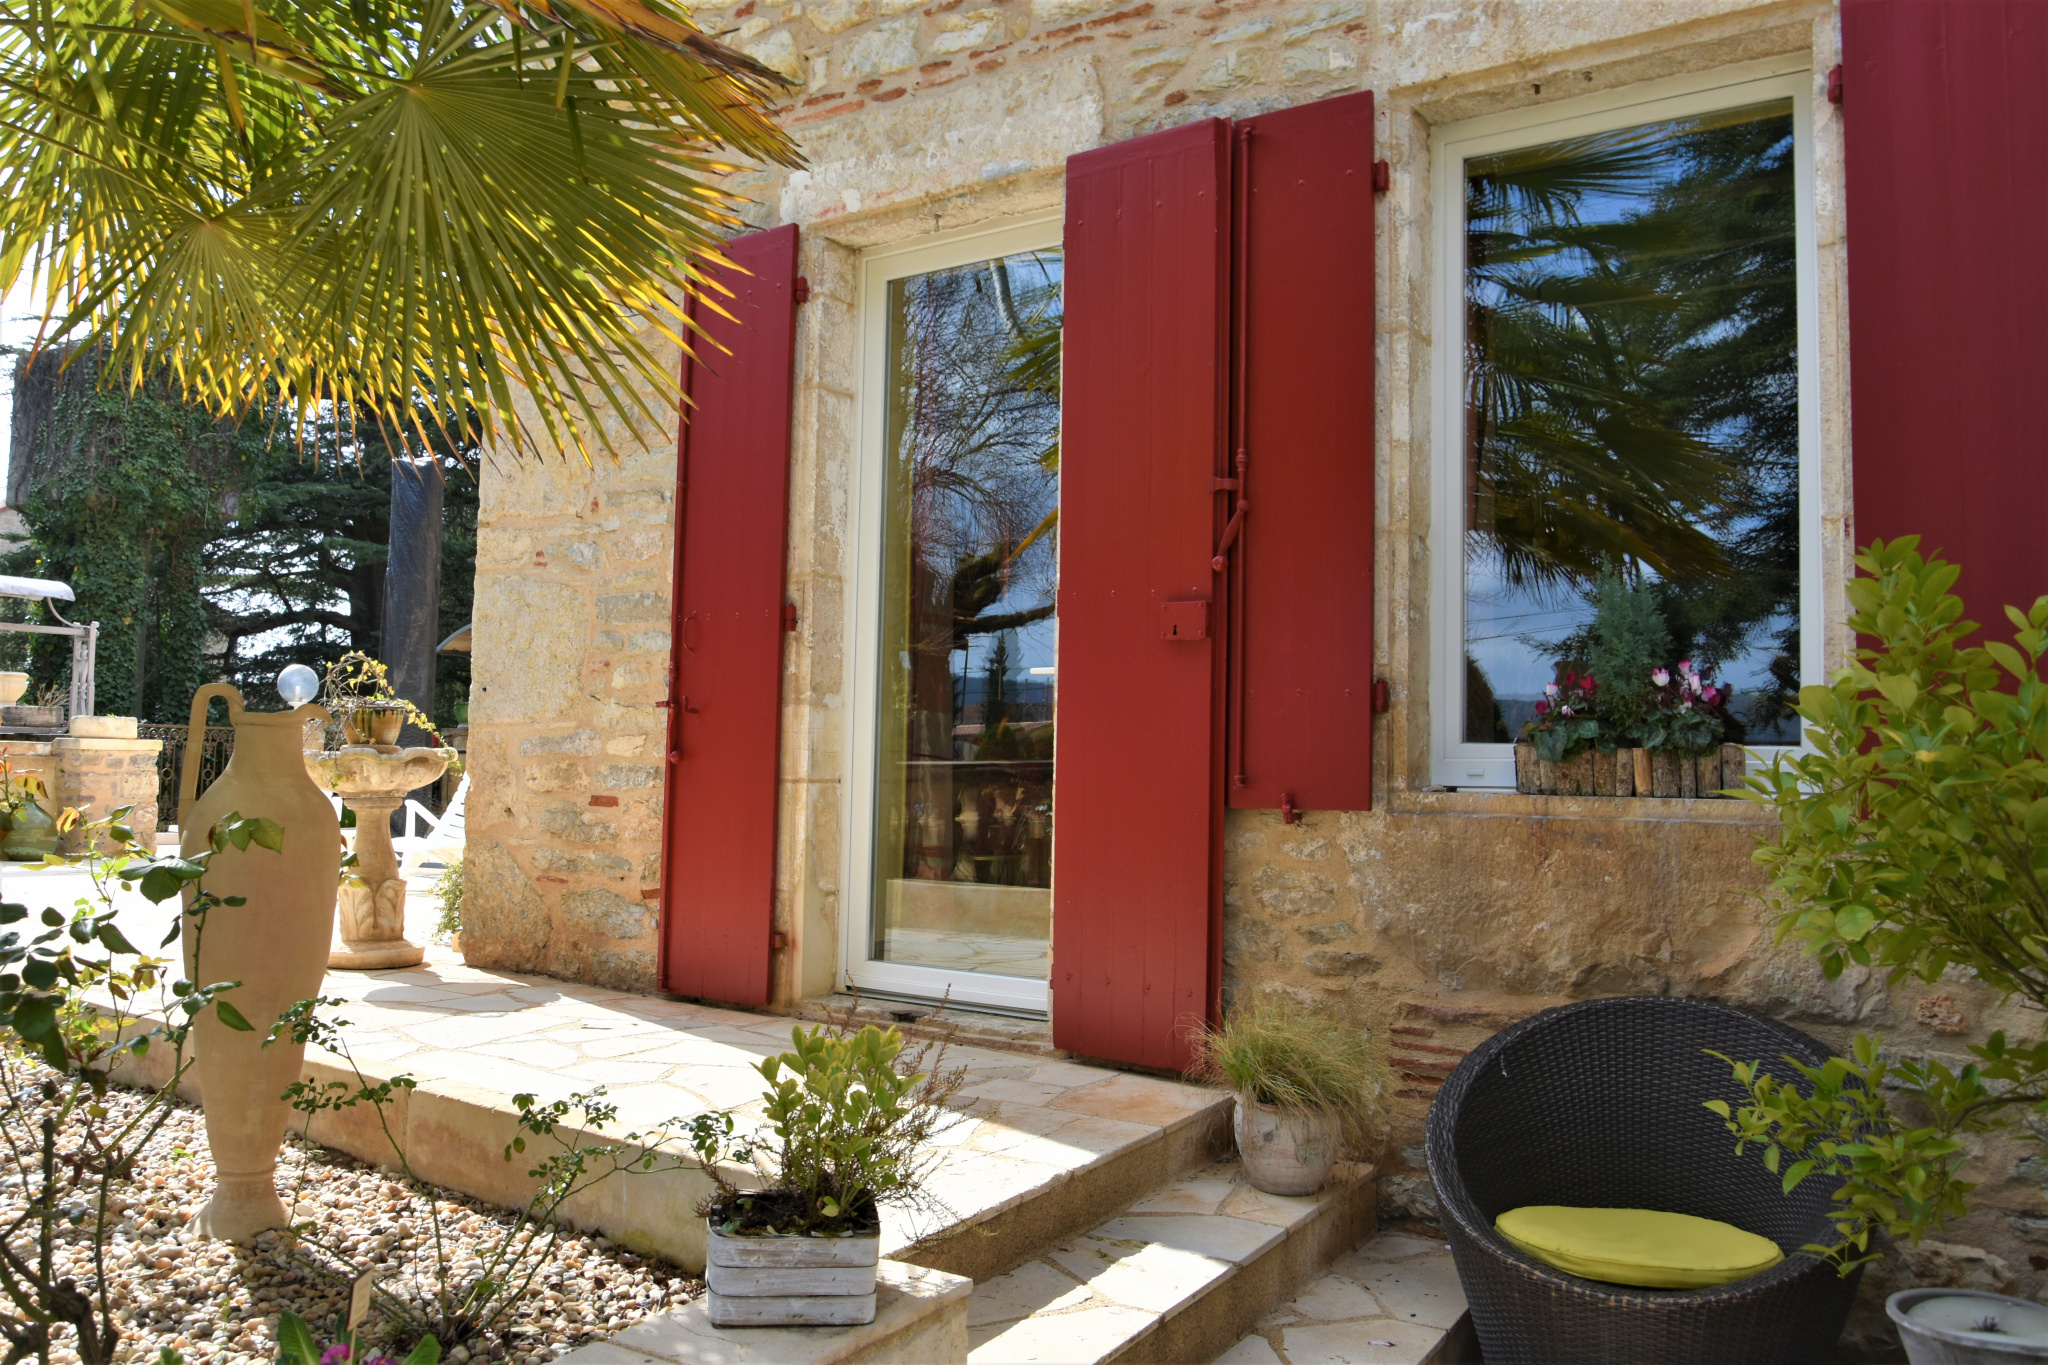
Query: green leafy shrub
[
  {"x": 448, "y": 893},
  {"x": 1913, "y": 837},
  {"x": 849, "y": 1122},
  {"x": 466, "y": 1305},
  {"x": 1300, "y": 1058},
  {"x": 76, "y": 1006}
]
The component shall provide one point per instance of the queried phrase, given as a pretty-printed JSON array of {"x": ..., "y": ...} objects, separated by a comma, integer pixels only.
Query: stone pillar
[
  {"x": 101, "y": 766},
  {"x": 32, "y": 759}
]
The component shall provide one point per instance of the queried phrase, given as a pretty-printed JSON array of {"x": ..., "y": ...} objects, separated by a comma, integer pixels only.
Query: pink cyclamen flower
[
  {"x": 1588, "y": 684},
  {"x": 334, "y": 1354},
  {"x": 1550, "y": 689},
  {"x": 1542, "y": 709},
  {"x": 1710, "y": 695},
  {"x": 1685, "y": 667},
  {"x": 1564, "y": 710},
  {"x": 1660, "y": 677}
]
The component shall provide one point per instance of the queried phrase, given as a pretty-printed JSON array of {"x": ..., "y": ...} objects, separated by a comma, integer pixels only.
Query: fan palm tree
[{"x": 405, "y": 209}]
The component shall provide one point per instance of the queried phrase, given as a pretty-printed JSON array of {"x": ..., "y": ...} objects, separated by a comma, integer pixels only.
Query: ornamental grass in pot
[
  {"x": 1309, "y": 1087},
  {"x": 847, "y": 1131}
]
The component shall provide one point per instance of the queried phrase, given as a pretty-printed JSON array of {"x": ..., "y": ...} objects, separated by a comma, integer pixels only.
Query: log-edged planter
[
  {"x": 1632, "y": 772},
  {"x": 774, "y": 1280}
]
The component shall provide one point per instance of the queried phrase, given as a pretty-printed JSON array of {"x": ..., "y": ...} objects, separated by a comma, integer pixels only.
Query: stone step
[
  {"x": 1394, "y": 1300},
  {"x": 1051, "y": 1153},
  {"x": 1177, "y": 1277}
]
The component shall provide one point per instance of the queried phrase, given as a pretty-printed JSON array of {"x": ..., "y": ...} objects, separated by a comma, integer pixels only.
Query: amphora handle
[{"x": 195, "y": 740}]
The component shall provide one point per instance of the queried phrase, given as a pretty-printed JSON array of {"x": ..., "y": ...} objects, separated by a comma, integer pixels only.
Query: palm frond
[{"x": 431, "y": 208}]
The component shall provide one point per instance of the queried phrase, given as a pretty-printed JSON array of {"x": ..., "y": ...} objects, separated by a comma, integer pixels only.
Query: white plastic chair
[{"x": 443, "y": 838}]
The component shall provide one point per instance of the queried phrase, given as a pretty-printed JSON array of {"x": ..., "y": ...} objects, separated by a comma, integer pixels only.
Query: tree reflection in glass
[
  {"x": 964, "y": 821},
  {"x": 1632, "y": 404}
]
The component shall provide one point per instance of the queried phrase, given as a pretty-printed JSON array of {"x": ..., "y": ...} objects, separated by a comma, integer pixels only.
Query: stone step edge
[
  {"x": 997, "y": 1240},
  {"x": 455, "y": 1136},
  {"x": 920, "y": 1316},
  {"x": 1233, "y": 1303}
]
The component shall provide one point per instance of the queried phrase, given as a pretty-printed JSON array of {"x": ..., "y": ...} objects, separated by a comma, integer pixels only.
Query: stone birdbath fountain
[{"x": 372, "y": 780}]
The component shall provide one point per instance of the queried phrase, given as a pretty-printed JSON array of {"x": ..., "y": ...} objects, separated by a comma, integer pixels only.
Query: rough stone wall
[
  {"x": 1455, "y": 912},
  {"x": 563, "y": 867}
]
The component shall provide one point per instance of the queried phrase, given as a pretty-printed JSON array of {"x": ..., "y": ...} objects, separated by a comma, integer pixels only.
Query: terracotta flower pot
[
  {"x": 375, "y": 723},
  {"x": 1285, "y": 1152},
  {"x": 275, "y": 945},
  {"x": 781, "y": 1281}
]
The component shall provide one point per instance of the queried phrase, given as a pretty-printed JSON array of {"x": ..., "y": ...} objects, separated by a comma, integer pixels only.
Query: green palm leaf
[{"x": 485, "y": 217}]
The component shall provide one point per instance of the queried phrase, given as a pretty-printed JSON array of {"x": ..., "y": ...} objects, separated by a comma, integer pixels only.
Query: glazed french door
[{"x": 954, "y": 698}]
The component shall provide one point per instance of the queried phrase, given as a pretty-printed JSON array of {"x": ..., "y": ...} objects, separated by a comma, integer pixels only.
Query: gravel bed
[{"x": 219, "y": 1302}]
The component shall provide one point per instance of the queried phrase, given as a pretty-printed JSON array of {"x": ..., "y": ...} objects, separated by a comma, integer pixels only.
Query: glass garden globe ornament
[{"x": 297, "y": 684}]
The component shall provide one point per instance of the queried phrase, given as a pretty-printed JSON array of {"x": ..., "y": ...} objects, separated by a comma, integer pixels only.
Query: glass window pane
[
  {"x": 964, "y": 815},
  {"x": 1632, "y": 408}
]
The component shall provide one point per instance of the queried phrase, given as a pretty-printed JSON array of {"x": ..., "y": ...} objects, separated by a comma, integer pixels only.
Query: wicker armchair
[{"x": 1598, "y": 1104}]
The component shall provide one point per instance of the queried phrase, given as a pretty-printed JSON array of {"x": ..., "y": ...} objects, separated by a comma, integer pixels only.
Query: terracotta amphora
[{"x": 275, "y": 945}]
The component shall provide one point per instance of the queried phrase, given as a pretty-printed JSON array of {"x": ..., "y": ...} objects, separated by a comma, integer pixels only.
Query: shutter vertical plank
[
  {"x": 732, "y": 532},
  {"x": 1945, "y": 122},
  {"x": 1301, "y": 722},
  {"x": 1136, "y": 876}
]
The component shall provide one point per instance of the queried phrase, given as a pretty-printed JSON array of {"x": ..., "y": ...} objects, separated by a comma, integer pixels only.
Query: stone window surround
[
  {"x": 1461, "y": 765},
  {"x": 813, "y": 816}
]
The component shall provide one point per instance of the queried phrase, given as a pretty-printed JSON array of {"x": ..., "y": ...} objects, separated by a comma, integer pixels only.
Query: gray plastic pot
[{"x": 1927, "y": 1344}]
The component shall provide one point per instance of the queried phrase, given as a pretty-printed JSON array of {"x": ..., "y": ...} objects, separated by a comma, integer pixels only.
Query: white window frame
[
  {"x": 878, "y": 267},
  {"x": 1454, "y": 762}
]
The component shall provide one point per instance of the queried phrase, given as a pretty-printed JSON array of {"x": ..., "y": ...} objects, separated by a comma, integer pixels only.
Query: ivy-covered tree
[
  {"x": 209, "y": 550},
  {"x": 122, "y": 494}
]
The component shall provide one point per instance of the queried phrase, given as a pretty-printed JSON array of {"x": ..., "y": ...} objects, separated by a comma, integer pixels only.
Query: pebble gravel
[{"x": 219, "y": 1302}]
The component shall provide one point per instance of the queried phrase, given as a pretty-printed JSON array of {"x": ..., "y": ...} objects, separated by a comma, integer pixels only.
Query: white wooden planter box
[{"x": 776, "y": 1281}]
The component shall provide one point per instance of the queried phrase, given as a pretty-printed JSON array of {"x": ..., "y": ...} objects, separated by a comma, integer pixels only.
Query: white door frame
[{"x": 1006, "y": 237}]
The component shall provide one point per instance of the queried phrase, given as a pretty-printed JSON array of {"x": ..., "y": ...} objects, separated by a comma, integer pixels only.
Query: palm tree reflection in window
[
  {"x": 964, "y": 815},
  {"x": 1632, "y": 404}
]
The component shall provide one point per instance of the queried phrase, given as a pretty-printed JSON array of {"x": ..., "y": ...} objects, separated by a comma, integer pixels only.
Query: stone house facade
[{"x": 1454, "y": 904}]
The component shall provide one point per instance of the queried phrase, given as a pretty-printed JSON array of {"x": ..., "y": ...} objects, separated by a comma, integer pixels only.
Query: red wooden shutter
[
  {"x": 1945, "y": 111},
  {"x": 731, "y": 518},
  {"x": 1301, "y": 666},
  {"x": 1142, "y": 416}
]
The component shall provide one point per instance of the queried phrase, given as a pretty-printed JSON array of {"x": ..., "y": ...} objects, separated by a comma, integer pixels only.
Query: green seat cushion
[{"x": 1638, "y": 1246}]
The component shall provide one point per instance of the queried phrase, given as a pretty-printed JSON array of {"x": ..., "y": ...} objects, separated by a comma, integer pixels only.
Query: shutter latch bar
[{"x": 1236, "y": 522}]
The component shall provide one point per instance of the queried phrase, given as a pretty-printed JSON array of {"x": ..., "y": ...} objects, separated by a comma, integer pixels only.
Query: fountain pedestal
[{"x": 372, "y": 781}]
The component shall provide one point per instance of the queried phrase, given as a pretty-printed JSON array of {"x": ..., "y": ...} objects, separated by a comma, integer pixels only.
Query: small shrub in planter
[
  {"x": 1308, "y": 1086},
  {"x": 848, "y": 1129}
]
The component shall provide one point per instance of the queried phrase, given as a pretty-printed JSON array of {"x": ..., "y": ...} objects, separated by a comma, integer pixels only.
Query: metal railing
[{"x": 213, "y": 756}]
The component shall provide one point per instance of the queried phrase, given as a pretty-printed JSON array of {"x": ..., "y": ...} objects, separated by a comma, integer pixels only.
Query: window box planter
[
  {"x": 780, "y": 1281},
  {"x": 1632, "y": 772}
]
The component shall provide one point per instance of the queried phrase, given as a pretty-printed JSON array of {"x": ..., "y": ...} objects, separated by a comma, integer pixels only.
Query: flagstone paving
[
  {"x": 1029, "y": 1122},
  {"x": 1392, "y": 1301}
]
